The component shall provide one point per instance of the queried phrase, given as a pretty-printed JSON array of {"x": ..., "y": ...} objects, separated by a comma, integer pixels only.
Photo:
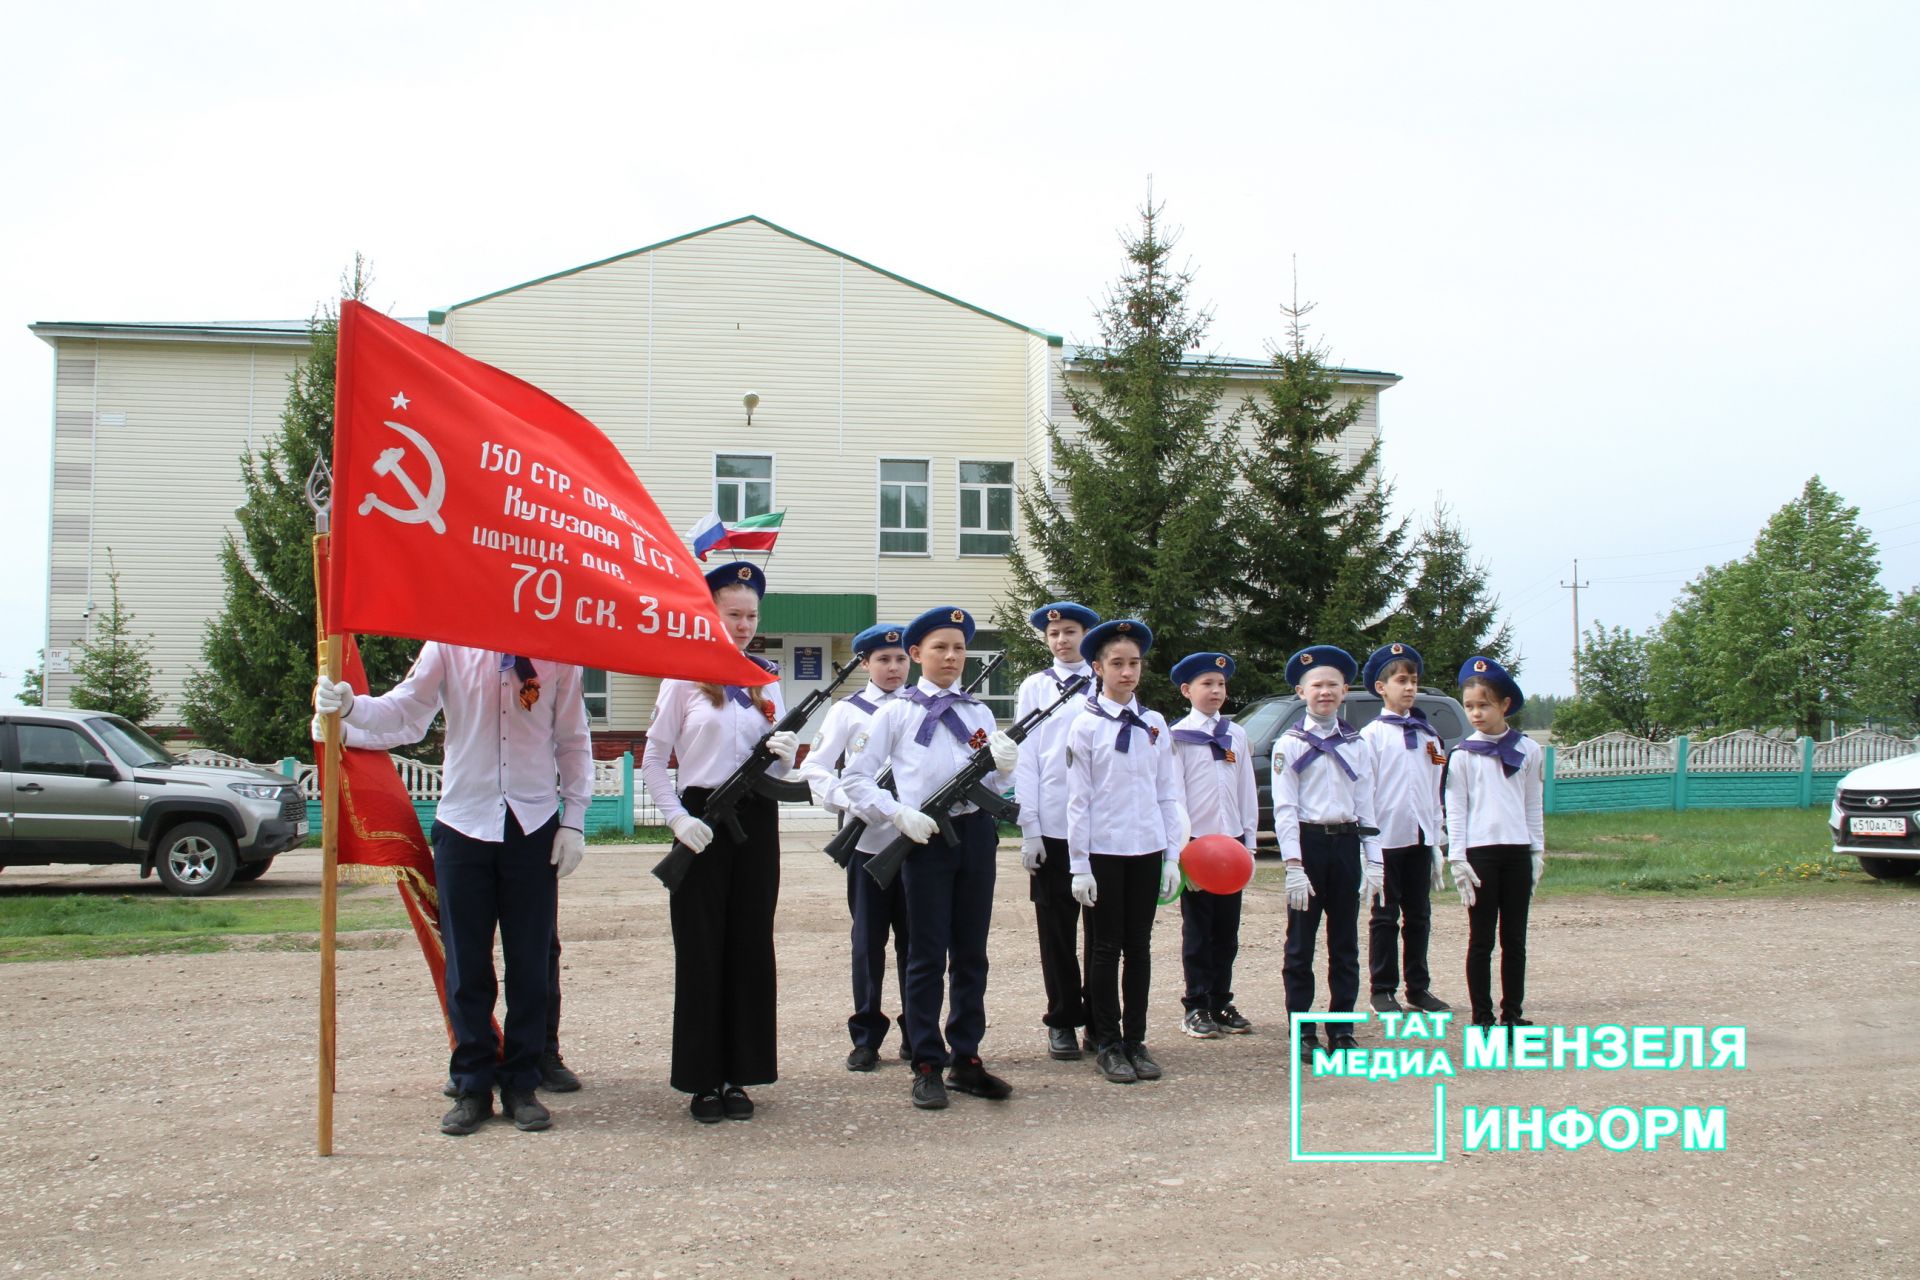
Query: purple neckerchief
[
  {"x": 1413, "y": 726},
  {"x": 1127, "y": 719},
  {"x": 1505, "y": 748},
  {"x": 738, "y": 693},
  {"x": 1318, "y": 746},
  {"x": 1221, "y": 739},
  {"x": 863, "y": 704},
  {"x": 1073, "y": 680},
  {"x": 940, "y": 711}
]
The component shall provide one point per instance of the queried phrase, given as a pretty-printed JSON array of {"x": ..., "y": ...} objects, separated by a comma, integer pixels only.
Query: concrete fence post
[
  {"x": 1806, "y": 773},
  {"x": 1547, "y": 800},
  {"x": 1680, "y": 744},
  {"x": 626, "y": 792},
  {"x": 290, "y": 766}
]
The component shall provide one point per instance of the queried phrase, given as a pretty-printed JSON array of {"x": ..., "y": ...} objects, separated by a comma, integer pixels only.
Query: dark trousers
[
  {"x": 949, "y": 910},
  {"x": 876, "y": 913},
  {"x": 1332, "y": 865},
  {"x": 553, "y": 983},
  {"x": 723, "y": 967},
  {"x": 1405, "y": 921},
  {"x": 1120, "y": 945},
  {"x": 1056, "y": 917},
  {"x": 486, "y": 886},
  {"x": 1499, "y": 907},
  {"x": 1209, "y": 944}
]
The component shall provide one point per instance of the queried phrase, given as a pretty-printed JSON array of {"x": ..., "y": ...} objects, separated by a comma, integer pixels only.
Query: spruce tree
[
  {"x": 252, "y": 698},
  {"x": 1132, "y": 523},
  {"x": 1318, "y": 559},
  {"x": 1448, "y": 613},
  {"x": 33, "y": 683},
  {"x": 113, "y": 667}
]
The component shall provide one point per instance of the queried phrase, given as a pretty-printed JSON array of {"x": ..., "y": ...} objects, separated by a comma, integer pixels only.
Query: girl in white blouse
[{"x": 723, "y": 979}]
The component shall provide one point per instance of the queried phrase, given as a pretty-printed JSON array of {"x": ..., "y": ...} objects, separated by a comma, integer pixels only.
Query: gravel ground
[{"x": 160, "y": 1117}]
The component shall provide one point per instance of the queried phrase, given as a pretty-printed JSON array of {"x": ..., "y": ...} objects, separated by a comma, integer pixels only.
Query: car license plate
[
  {"x": 1877, "y": 826},
  {"x": 300, "y": 828}
]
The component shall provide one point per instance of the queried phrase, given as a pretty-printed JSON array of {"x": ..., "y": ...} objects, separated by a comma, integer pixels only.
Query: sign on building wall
[{"x": 809, "y": 662}]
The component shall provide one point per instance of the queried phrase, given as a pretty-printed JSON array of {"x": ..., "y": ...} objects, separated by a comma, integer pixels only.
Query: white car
[{"x": 1876, "y": 817}]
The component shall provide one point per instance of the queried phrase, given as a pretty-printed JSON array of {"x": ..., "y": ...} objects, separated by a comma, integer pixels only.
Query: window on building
[
  {"x": 905, "y": 498},
  {"x": 594, "y": 683},
  {"x": 742, "y": 485},
  {"x": 986, "y": 508},
  {"x": 1001, "y": 687}
]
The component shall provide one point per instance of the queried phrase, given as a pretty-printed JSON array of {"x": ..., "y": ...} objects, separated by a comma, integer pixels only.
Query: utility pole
[{"x": 1576, "y": 586}]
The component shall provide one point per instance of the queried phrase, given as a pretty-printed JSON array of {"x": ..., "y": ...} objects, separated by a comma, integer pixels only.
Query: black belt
[{"x": 1336, "y": 829}]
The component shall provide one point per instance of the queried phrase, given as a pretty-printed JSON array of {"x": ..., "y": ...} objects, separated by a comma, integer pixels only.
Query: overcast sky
[{"x": 1644, "y": 267}]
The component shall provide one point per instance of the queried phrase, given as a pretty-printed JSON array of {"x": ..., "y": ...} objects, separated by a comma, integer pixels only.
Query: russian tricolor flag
[{"x": 706, "y": 535}]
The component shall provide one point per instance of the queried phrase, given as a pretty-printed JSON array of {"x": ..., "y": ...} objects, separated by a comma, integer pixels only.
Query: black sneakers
[
  {"x": 706, "y": 1107},
  {"x": 906, "y": 1051},
  {"x": 1228, "y": 1019},
  {"x": 862, "y": 1058},
  {"x": 970, "y": 1075},
  {"x": 1338, "y": 1040},
  {"x": 555, "y": 1077},
  {"x": 1383, "y": 1002},
  {"x": 527, "y": 1112},
  {"x": 1115, "y": 1066},
  {"x": 1062, "y": 1044},
  {"x": 470, "y": 1111},
  {"x": 1200, "y": 1025},
  {"x": 1427, "y": 1002},
  {"x": 735, "y": 1103},
  {"x": 1308, "y": 1043},
  {"x": 928, "y": 1093},
  {"x": 1144, "y": 1067}
]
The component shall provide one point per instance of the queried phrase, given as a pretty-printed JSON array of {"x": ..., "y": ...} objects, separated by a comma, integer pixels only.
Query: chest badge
[
  {"x": 1153, "y": 734},
  {"x": 1230, "y": 757},
  {"x": 978, "y": 740},
  {"x": 1433, "y": 753}
]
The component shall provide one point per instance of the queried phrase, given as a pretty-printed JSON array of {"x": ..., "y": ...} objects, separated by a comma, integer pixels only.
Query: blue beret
[
  {"x": 1385, "y": 654},
  {"x": 1119, "y": 629},
  {"x": 882, "y": 635},
  {"x": 1195, "y": 665},
  {"x": 1309, "y": 659},
  {"x": 1487, "y": 669},
  {"x": 938, "y": 619},
  {"x": 739, "y": 573},
  {"x": 1063, "y": 611}
]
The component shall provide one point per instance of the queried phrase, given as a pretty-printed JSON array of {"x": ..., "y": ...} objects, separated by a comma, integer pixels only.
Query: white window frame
[
  {"x": 962, "y": 487},
  {"x": 879, "y": 529},
  {"x": 991, "y": 700},
  {"x": 772, "y": 482}
]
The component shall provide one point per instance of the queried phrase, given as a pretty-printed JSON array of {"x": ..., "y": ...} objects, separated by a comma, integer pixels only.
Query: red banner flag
[{"x": 473, "y": 508}]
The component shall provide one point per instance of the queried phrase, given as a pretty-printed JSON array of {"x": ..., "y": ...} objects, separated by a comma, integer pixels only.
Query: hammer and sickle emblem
[{"x": 426, "y": 507}]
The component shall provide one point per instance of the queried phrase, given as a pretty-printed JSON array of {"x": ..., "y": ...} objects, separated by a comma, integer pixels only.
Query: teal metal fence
[
  {"x": 1743, "y": 770},
  {"x": 618, "y": 802}
]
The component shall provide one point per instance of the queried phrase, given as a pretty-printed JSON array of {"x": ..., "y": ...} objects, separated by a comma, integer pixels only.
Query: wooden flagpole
[{"x": 330, "y": 649}]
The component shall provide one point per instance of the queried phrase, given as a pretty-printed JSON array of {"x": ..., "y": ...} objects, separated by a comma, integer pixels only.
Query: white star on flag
[{"x": 399, "y": 399}]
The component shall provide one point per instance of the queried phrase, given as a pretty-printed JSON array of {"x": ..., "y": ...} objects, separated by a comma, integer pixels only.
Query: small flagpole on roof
[{"x": 320, "y": 500}]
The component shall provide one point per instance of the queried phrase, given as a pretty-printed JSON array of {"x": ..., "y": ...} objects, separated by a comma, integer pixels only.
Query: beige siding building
[{"x": 893, "y": 425}]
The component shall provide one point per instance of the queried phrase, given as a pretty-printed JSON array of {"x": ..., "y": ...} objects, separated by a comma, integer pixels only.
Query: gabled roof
[
  {"x": 258, "y": 333},
  {"x": 1248, "y": 367},
  {"x": 439, "y": 316}
]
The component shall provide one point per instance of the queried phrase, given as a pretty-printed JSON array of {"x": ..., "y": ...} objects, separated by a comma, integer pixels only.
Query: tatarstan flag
[{"x": 755, "y": 533}]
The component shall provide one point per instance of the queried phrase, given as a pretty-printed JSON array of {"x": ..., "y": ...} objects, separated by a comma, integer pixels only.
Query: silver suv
[{"x": 84, "y": 786}]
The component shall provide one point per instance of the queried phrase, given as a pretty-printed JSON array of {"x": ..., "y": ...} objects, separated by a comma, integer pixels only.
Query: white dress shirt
[
  {"x": 919, "y": 769},
  {"x": 1322, "y": 792},
  {"x": 1219, "y": 795},
  {"x": 1120, "y": 802},
  {"x": 843, "y": 732},
  {"x": 1485, "y": 806},
  {"x": 710, "y": 742},
  {"x": 499, "y": 754},
  {"x": 1406, "y": 785},
  {"x": 1040, "y": 776}
]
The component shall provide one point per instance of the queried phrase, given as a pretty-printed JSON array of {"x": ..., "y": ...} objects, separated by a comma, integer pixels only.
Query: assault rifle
[
  {"x": 749, "y": 779},
  {"x": 967, "y": 787},
  {"x": 841, "y": 847}
]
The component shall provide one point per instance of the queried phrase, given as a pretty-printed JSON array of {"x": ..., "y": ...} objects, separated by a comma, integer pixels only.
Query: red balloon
[{"x": 1217, "y": 864}]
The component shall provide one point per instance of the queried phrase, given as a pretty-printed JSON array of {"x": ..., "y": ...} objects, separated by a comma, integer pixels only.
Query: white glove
[
  {"x": 1373, "y": 882},
  {"x": 1085, "y": 891},
  {"x": 332, "y": 697},
  {"x": 1299, "y": 888},
  {"x": 914, "y": 825},
  {"x": 1465, "y": 880},
  {"x": 318, "y": 728},
  {"x": 691, "y": 832},
  {"x": 1539, "y": 866},
  {"x": 784, "y": 746},
  {"x": 1006, "y": 752},
  {"x": 1032, "y": 853},
  {"x": 1439, "y": 873},
  {"x": 569, "y": 846},
  {"x": 1169, "y": 879}
]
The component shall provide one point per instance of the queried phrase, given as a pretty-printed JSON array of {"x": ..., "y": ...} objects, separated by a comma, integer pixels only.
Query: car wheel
[
  {"x": 250, "y": 871},
  {"x": 196, "y": 859},
  {"x": 1890, "y": 868}
]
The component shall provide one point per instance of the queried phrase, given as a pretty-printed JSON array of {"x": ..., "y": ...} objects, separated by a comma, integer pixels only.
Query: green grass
[
  {"x": 1714, "y": 852},
  {"x": 641, "y": 835},
  {"x": 83, "y": 925}
]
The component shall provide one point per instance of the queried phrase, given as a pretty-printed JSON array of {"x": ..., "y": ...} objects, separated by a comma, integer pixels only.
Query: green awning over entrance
[{"x": 792, "y": 613}]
